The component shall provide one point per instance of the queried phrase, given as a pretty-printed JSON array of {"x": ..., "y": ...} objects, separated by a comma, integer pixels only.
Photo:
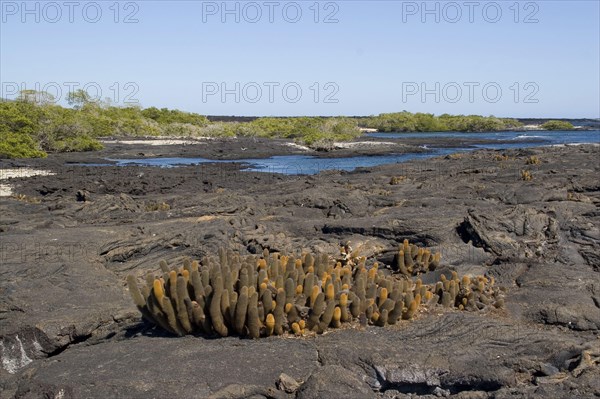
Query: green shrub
[
  {"x": 557, "y": 125},
  {"x": 306, "y": 130},
  {"x": 77, "y": 144},
  {"x": 220, "y": 129},
  {"x": 19, "y": 117},
  {"x": 420, "y": 122},
  {"x": 181, "y": 130},
  {"x": 168, "y": 116},
  {"x": 18, "y": 145}
]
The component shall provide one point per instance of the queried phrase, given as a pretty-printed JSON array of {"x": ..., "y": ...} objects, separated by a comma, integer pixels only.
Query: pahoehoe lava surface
[{"x": 68, "y": 328}]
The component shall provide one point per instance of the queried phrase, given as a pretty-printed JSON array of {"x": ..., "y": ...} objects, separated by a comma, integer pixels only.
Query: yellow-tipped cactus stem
[
  {"x": 313, "y": 296},
  {"x": 412, "y": 308},
  {"x": 296, "y": 329},
  {"x": 159, "y": 292},
  {"x": 383, "y": 296},
  {"x": 336, "y": 322},
  {"x": 270, "y": 324},
  {"x": 466, "y": 281},
  {"x": 330, "y": 292}
]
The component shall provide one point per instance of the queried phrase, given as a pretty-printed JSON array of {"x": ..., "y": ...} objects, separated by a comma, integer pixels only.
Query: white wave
[
  {"x": 573, "y": 144},
  {"x": 525, "y": 136}
]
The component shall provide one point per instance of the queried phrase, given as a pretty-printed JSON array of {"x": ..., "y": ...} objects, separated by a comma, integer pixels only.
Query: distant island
[{"x": 33, "y": 125}]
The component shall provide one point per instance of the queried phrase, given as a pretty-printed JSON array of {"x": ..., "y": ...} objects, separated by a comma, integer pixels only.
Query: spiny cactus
[{"x": 273, "y": 294}]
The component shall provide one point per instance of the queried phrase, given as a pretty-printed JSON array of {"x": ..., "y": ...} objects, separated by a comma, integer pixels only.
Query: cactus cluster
[
  {"x": 466, "y": 293},
  {"x": 526, "y": 175},
  {"x": 411, "y": 260},
  {"x": 274, "y": 294}
]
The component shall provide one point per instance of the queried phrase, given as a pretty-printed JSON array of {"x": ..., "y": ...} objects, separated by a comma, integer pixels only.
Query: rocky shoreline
[
  {"x": 247, "y": 147},
  {"x": 68, "y": 328}
]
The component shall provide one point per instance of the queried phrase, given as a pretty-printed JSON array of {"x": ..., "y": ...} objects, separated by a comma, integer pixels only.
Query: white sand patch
[
  {"x": 532, "y": 127},
  {"x": 5, "y": 174},
  {"x": 298, "y": 146},
  {"x": 157, "y": 141},
  {"x": 5, "y": 190},
  {"x": 362, "y": 144},
  {"x": 344, "y": 145}
]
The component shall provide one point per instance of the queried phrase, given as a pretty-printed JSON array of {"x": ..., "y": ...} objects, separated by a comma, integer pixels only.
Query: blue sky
[{"x": 504, "y": 58}]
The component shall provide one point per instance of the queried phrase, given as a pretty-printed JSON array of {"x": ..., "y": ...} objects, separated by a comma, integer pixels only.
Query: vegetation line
[{"x": 33, "y": 125}]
